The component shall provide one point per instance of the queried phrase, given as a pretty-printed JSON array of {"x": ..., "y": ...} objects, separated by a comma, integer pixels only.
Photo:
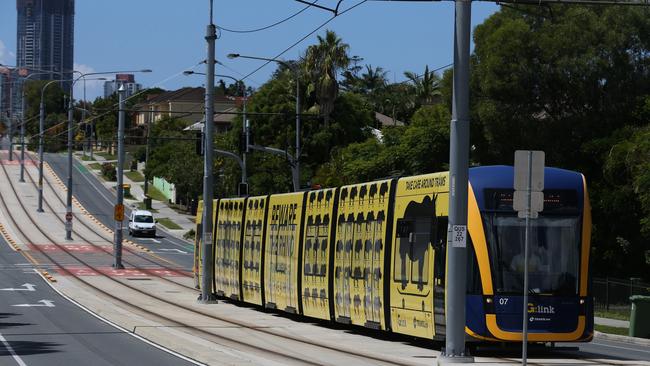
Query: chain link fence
[{"x": 613, "y": 294}]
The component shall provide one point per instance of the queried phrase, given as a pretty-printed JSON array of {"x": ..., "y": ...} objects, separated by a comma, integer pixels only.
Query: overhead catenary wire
[
  {"x": 303, "y": 38},
  {"x": 268, "y": 26}
]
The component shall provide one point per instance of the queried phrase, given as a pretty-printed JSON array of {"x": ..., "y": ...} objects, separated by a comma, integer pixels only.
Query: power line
[
  {"x": 303, "y": 38},
  {"x": 268, "y": 26}
]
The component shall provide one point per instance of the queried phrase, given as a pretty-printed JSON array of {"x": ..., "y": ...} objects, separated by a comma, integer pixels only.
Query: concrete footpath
[{"x": 160, "y": 209}]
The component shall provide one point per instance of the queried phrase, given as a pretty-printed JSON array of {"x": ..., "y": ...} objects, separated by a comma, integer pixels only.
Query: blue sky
[{"x": 167, "y": 35}]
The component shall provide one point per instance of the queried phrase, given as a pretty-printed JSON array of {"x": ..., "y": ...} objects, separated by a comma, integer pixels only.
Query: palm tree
[
  {"x": 322, "y": 64},
  {"x": 373, "y": 79},
  {"x": 427, "y": 85}
]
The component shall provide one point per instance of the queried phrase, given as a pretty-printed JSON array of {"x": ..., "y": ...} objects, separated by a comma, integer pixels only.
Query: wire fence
[{"x": 613, "y": 294}]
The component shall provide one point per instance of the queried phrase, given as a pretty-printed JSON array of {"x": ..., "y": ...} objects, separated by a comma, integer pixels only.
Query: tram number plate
[{"x": 459, "y": 236}]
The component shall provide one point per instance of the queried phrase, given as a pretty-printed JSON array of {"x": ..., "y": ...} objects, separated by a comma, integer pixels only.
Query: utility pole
[
  {"x": 454, "y": 351},
  {"x": 41, "y": 128},
  {"x": 146, "y": 155},
  {"x": 68, "y": 213},
  {"x": 119, "y": 206},
  {"x": 296, "y": 182},
  {"x": 208, "y": 186}
]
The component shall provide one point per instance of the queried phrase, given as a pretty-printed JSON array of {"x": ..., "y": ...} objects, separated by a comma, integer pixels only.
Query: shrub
[{"x": 109, "y": 172}]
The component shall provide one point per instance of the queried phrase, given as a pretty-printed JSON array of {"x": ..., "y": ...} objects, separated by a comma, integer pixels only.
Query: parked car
[{"x": 142, "y": 222}]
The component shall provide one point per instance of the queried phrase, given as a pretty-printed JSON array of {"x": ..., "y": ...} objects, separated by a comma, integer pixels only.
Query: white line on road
[
  {"x": 17, "y": 358},
  {"x": 137, "y": 336},
  {"x": 151, "y": 239},
  {"x": 45, "y": 303},
  {"x": 167, "y": 251},
  {"x": 27, "y": 287}
]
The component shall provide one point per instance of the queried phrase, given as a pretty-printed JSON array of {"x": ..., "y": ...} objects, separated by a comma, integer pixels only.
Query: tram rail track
[{"x": 251, "y": 327}]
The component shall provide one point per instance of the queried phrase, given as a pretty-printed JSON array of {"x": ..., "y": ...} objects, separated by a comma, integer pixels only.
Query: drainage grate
[{"x": 139, "y": 279}]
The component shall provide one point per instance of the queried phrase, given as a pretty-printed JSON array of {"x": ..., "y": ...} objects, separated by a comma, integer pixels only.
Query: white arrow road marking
[
  {"x": 167, "y": 251},
  {"x": 151, "y": 239},
  {"x": 46, "y": 303},
  {"x": 27, "y": 287}
]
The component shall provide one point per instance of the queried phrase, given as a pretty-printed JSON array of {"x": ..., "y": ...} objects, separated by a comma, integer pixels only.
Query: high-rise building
[
  {"x": 128, "y": 80},
  {"x": 45, "y": 37}
]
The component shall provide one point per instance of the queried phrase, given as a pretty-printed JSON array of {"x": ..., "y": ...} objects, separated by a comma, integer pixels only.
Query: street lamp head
[
  {"x": 146, "y": 70},
  {"x": 233, "y": 55},
  {"x": 188, "y": 72}
]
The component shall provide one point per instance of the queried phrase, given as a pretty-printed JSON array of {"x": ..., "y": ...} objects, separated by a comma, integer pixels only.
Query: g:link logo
[{"x": 540, "y": 309}]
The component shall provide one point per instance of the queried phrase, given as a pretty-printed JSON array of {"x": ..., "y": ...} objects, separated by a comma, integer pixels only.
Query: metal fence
[{"x": 613, "y": 294}]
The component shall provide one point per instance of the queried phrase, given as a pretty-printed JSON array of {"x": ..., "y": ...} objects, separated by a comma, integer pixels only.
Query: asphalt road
[
  {"x": 99, "y": 201},
  {"x": 40, "y": 327}
]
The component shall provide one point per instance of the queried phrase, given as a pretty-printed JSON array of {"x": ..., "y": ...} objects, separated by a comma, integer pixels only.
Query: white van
[{"x": 142, "y": 222}]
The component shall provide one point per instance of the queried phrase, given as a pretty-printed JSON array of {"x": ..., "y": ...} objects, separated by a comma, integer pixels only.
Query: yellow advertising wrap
[{"x": 281, "y": 251}]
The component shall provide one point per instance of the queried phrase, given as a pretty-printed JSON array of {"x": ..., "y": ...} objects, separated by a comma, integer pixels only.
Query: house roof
[
  {"x": 384, "y": 120},
  {"x": 220, "y": 118},
  {"x": 190, "y": 95}
]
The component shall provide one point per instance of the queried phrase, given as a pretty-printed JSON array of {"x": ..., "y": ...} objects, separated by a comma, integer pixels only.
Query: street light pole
[
  {"x": 119, "y": 206},
  {"x": 208, "y": 184},
  {"x": 68, "y": 213},
  {"x": 295, "y": 163}
]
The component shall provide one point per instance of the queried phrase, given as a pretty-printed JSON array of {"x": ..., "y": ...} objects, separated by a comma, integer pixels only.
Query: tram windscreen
[{"x": 553, "y": 253}]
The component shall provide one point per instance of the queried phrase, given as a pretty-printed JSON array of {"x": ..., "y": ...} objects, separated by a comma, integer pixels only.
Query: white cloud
[{"x": 94, "y": 88}]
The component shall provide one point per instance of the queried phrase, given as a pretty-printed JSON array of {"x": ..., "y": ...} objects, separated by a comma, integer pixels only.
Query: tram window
[
  {"x": 402, "y": 248},
  {"x": 419, "y": 256}
]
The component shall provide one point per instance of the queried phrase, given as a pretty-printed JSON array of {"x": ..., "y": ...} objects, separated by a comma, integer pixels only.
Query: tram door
[{"x": 343, "y": 261}]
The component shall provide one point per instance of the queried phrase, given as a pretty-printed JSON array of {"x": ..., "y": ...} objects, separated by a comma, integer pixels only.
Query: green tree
[
  {"x": 426, "y": 85},
  {"x": 580, "y": 96},
  {"x": 323, "y": 62}
]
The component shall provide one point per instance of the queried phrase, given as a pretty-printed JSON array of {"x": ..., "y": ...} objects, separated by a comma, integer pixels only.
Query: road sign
[
  {"x": 522, "y": 168},
  {"x": 529, "y": 177},
  {"x": 68, "y": 216},
  {"x": 119, "y": 212}
]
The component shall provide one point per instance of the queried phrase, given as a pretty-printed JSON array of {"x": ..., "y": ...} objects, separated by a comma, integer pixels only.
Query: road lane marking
[
  {"x": 151, "y": 239},
  {"x": 120, "y": 328},
  {"x": 45, "y": 303},
  {"x": 27, "y": 287},
  {"x": 17, "y": 358},
  {"x": 173, "y": 251}
]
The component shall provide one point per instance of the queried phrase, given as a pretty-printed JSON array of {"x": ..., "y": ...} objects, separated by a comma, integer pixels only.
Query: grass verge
[
  {"x": 611, "y": 330},
  {"x": 135, "y": 176},
  {"x": 155, "y": 194},
  {"x": 95, "y": 166},
  {"x": 613, "y": 314},
  {"x": 106, "y": 155},
  {"x": 141, "y": 207},
  {"x": 168, "y": 223},
  {"x": 86, "y": 158}
]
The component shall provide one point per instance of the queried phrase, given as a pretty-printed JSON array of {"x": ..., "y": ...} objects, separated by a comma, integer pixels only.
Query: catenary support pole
[
  {"x": 296, "y": 183},
  {"x": 454, "y": 351},
  {"x": 22, "y": 131},
  {"x": 119, "y": 219},
  {"x": 41, "y": 128},
  {"x": 206, "y": 254},
  {"x": 68, "y": 212}
]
